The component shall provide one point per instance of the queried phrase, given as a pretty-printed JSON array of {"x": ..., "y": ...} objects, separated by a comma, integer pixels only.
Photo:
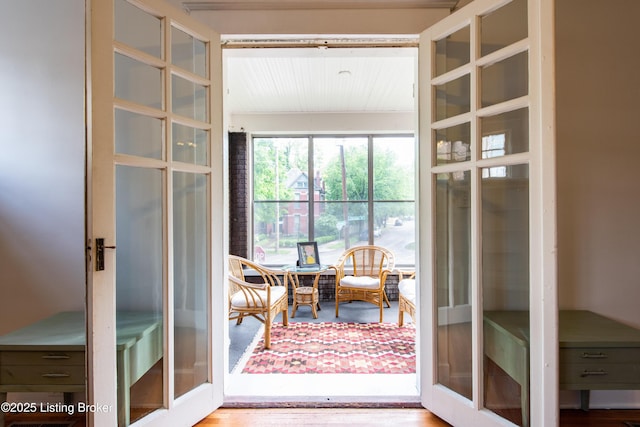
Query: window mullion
[
  {"x": 371, "y": 174},
  {"x": 312, "y": 190}
]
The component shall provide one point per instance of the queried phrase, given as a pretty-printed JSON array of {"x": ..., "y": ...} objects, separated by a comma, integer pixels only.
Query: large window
[{"x": 340, "y": 191}]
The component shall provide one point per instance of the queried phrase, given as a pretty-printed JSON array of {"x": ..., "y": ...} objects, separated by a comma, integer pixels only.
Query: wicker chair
[
  {"x": 407, "y": 296},
  {"x": 361, "y": 273},
  {"x": 263, "y": 300}
]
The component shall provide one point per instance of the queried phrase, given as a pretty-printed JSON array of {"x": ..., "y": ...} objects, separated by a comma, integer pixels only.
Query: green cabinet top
[
  {"x": 581, "y": 328},
  {"x": 66, "y": 331},
  {"x": 578, "y": 328}
]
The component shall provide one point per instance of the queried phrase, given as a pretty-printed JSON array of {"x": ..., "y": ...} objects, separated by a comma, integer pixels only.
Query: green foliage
[
  {"x": 356, "y": 174},
  {"x": 326, "y": 239},
  {"x": 326, "y": 225},
  {"x": 272, "y": 156},
  {"x": 391, "y": 183},
  {"x": 288, "y": 242}
]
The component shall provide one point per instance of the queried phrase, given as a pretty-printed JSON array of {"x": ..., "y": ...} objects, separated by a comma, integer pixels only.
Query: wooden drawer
[
  {"x": 600, "y": 376},
  {"x": 42, "y": 375},
  {"x": 600, "y": 354},
  {"x": 34, "y": 358}
]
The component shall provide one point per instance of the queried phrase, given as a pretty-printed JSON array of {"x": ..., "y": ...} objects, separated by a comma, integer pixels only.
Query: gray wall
[
  {"x": 598, "y": 147},
  {"x": 598, "y": 140},
  {"x": 42, "y": 154}
]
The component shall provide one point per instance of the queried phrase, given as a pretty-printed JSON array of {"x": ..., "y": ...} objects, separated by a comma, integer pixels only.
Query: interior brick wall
[
  {"x": 327, "y": 286},
  {"x": 238, "y": 194}
]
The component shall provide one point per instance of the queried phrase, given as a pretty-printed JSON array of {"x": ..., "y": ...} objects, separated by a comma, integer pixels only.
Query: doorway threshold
[{"x": 316, "y": 390}]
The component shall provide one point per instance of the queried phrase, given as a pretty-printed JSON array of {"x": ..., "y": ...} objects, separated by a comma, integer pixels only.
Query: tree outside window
[{"x": 338, "y": 191}]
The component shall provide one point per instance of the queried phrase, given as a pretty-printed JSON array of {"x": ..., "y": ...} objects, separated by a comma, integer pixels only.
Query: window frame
[{"x": 310, "y": 201}]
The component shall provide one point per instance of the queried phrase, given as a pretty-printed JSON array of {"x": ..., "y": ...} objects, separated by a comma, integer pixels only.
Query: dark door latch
[{"x": 100, "y": 247}]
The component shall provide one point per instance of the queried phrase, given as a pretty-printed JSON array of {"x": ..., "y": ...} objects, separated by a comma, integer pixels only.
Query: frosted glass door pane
[
  {"x": 138, "y": 29},
  {"x": 189, "y": 99},
  {"x": 503, "y": 27},
  {"x": 139, "y": 277},
  {"x": 505, "y": 280},
  {"x": 505, "y": 239},
  {"x": 505, "y": 134},
  {"x": 453, "y": 51},
  {"x": 453, "y": 280},
  {"x": 190, "y": 145},
  {"x": 138, "y": 135},
  {"x": 188, "y": 52},
  {"x": 505, "y": 80},
  {"x": 453, "y": 98},
  {"x": 137, "y": 82},
  {"x": 190, "y": 255},
  {"x": 453, "y": 144}
]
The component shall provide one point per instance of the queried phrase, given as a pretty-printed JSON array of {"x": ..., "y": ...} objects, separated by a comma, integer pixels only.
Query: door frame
[
  {"x": 348, "y": 389},
  {"x": 544, "y": 362}
]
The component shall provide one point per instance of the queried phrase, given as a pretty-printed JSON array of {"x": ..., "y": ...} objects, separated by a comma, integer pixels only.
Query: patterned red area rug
[{"x": 335, "y": 348}]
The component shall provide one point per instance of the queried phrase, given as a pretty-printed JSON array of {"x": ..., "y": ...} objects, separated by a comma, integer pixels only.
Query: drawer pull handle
[
  {"x": 57, "y": 375},
  {"x": 594, "y": 355},
  {"x": 586, "y": 373},
  {"x": 56, "y": 357}
]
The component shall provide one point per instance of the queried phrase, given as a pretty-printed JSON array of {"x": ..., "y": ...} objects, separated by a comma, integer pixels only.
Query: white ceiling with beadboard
[{"x": 318, "y": 79}]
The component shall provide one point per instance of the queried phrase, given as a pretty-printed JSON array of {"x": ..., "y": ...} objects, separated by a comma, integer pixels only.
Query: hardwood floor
[
  {"x": 410, "y": 417},
  {"x": 240, "y": 417},
  {"x": 600, "y": 418}
]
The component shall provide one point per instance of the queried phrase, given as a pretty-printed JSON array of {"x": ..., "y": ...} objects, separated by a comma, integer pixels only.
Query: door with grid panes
[
  {"x": 486, "y": 202},
  {"x": 155, "y": 175}
]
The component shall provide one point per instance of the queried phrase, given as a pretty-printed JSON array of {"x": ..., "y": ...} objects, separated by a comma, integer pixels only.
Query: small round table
[{"x": 305, "y": 295}]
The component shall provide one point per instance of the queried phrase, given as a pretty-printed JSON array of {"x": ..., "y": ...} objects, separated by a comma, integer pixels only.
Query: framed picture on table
[{"x": 308, "y": 255}]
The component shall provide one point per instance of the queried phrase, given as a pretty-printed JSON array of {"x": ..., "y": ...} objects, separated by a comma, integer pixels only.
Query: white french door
[
  {"x": 155, "y": 179},
  {"x": 488, "y": 215}
]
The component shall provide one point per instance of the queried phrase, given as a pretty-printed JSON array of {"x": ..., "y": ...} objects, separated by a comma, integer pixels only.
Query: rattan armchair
[
  {"x": 406, "y": 296},
  {"x": 263, "y": 299},
  {"x": 361, "y": 273}
]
